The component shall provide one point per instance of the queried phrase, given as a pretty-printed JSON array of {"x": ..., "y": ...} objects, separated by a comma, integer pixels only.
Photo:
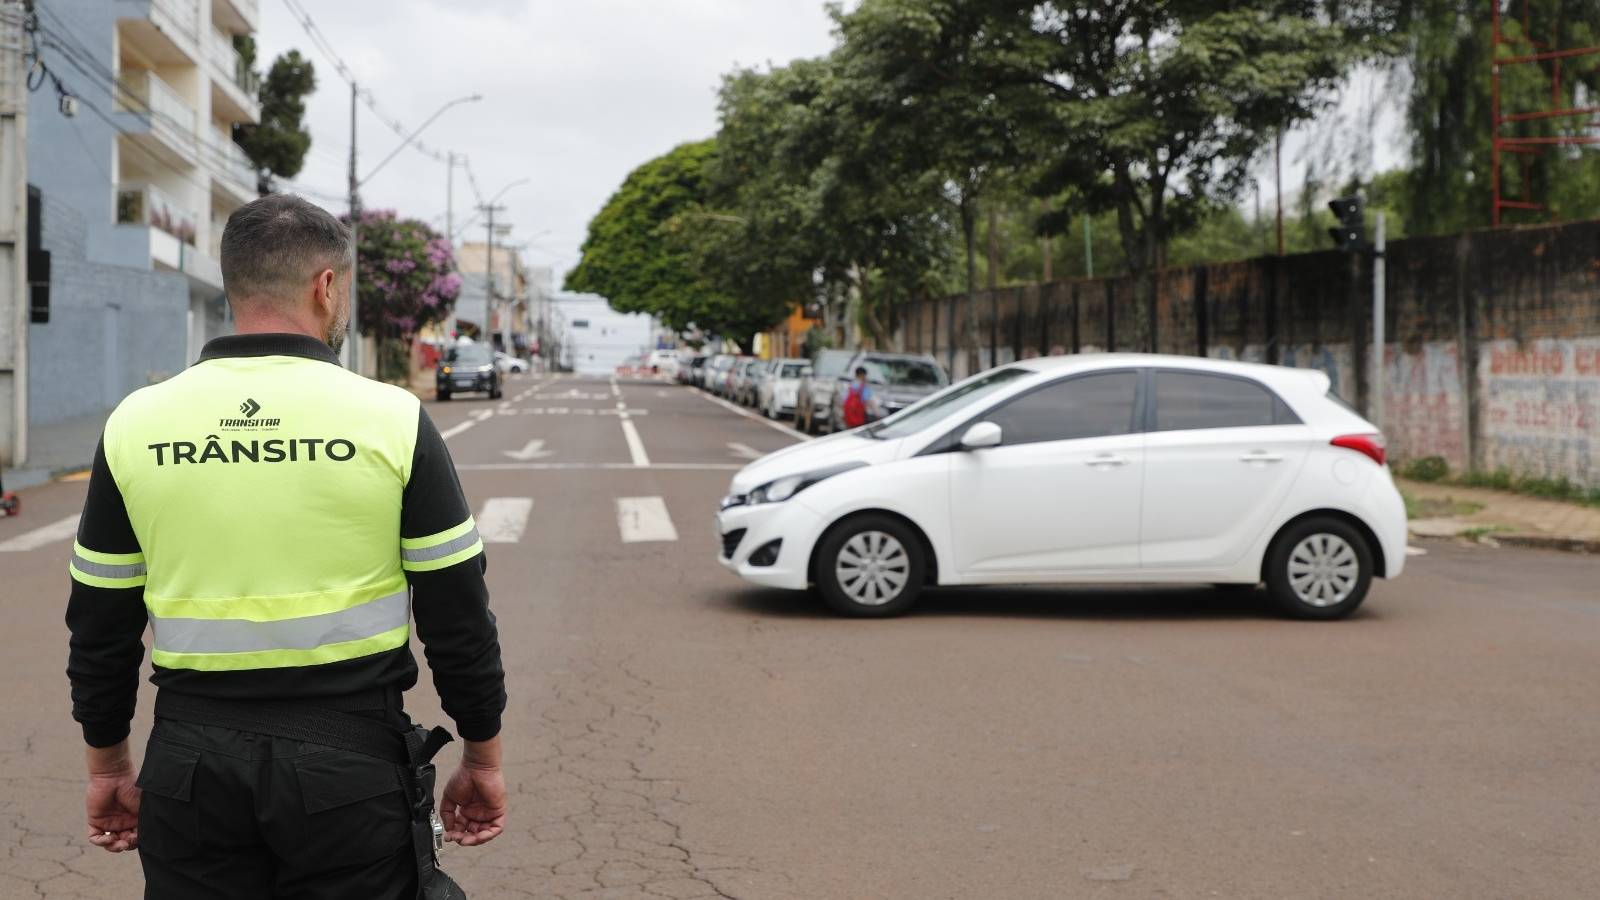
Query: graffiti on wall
[
  {"x": 1541, "y": 407},
  {"x": 1424, "y": 412}
]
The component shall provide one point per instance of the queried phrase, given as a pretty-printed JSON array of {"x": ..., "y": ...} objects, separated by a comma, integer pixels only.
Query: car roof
[{"x": 1083, "y": 362}]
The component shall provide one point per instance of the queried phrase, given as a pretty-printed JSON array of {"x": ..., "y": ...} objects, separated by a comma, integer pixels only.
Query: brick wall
[{"x": 1492, "y": 351}]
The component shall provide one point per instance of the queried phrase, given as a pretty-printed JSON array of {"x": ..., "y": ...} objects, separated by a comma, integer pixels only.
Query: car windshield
[
  {"x": 831, "y": 363},
  {"x": 791, "y": 370},
  {"x": 920, "y": 415},
  {"x": 911, "y": 372},
  {"x": 468, "y": 356}
]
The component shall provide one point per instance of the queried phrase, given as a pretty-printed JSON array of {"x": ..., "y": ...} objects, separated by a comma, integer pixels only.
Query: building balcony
[
  {"x": 170, "y": 230},
  {"x": 164, "y": 31},
  {"x": 234, "y": 88},
  {"x": 237, "y": 16},
  {"x": 230, "y": 168},
  {"x": 167, "y": 124}
]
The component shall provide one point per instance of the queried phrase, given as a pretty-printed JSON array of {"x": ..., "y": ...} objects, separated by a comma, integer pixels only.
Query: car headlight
[
  {"x": 781, "y": 489},
  {"x": 486, "y": 368}
]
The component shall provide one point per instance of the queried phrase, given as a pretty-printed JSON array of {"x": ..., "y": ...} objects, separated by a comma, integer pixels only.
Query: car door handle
[
  {"x": 1261, "y": 456},
  {"x": 1106, "y": 459}
]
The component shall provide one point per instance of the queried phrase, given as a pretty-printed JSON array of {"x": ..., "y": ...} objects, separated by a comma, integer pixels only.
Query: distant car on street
[
  {"x": 508, "y": 364},
  {"x": 746, "y": 377},
  {"x": 466, "y": 368},
  {"x": 778, "y": 390},
  {"x": 716, "y": 373},
  {"x": 664, "y": 362},
  {"x": 814, "y": 396},
  {"x": 1091, "y": 468},
  {"x": 897, "y": 379}
]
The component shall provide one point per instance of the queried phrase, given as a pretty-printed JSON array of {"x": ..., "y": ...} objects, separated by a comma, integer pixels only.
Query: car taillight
[{"x": 1369, "y": 444}]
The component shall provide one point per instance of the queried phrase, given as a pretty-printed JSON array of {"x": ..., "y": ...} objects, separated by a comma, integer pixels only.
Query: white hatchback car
[{"x": 1077, "y": 469}]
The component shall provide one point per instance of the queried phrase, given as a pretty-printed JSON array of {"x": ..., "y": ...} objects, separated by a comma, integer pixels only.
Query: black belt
[{"x": 325, "y": 722}]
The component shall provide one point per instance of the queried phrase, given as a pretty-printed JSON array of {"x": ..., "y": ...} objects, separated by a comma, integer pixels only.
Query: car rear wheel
[
  {"x": 1319, "y": 568},
  {"x": 871, "y": 566}
]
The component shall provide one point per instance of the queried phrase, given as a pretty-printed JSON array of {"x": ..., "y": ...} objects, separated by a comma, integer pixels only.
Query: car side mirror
[{"x": 981, "y": 435}]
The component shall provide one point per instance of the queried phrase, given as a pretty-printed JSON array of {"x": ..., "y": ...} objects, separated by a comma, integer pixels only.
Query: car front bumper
[{"x": 797, "y": 526}]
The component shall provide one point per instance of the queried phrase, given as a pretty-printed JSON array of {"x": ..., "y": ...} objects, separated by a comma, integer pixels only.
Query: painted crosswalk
[
  {"x": 60, "y": 530},
  {"x": 643, "y": 519},
  {"x": 502, "y": 520}
]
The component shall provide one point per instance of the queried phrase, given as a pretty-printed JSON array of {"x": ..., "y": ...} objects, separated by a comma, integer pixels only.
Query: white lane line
[
  {"x": 1416, "y": 551},
  {"x": 503, "y": 519},
  {"x": 635, "y": 446},
  {"x": 643, "y": 519},
  {"x": 454, "y": 430},
  {"x": 785, "y": 429},
  {"x": 42, "y": 536},
  {"x": 615, "y": 390},
  {"x": 482, "y": 415},
  {"x": 665, "y": 467},
  {"x": 744, "y": 451}
]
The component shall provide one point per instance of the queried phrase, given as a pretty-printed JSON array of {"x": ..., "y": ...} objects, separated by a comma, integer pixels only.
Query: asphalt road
[{"x": 675, "y": 733}]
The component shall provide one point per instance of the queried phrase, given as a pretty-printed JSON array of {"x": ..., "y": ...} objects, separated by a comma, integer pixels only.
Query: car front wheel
[
  {"x": 871, "y": 566},
  {"x": 1319, "y": 568}
]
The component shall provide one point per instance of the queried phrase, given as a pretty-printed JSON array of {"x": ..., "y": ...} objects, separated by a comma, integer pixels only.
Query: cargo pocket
[
  {"x": 355, "y": 802},
  {"x": 169, "y": 819}
]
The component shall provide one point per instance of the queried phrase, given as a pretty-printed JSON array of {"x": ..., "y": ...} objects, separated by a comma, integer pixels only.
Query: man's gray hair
[{"x": 273, "y": 246}]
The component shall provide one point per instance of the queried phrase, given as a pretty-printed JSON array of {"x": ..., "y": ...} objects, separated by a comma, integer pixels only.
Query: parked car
[
  {"x": 1090, "y": 468},
  {"x": 777, "y": 391},
  {"x": 898, "y": 380},
  {"x": 508, "y": 364},
  {"x": 716, "y": 372},
  {"x": 466, "y": 368},
  {"x": 690, "y": 371},
  {"x": 814, "y": 397},
  {"x": 738, "y": 377},
  {"x": 750, "y": 381}
]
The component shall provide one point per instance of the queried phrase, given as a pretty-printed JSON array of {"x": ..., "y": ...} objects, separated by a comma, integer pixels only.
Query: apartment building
[{"x": 135, "y": 189}]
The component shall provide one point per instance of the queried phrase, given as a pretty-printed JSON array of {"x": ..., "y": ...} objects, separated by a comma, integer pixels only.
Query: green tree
[
  {"x": 633, "y": 257},
  {"x": 1160, "y": 106},
  {"x": 278, "y": 145}
]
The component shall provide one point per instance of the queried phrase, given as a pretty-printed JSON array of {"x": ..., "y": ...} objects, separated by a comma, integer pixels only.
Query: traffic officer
[{"x": 277, "y": 521}]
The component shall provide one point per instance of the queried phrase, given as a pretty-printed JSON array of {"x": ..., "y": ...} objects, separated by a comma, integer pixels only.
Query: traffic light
[{"x": 1351, "y": 232}]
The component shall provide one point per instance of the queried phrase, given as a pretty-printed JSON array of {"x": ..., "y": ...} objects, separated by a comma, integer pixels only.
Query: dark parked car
[
  {"x": 813, "y": 399},
  {"x": 898, "y": 380},
  {"x": 467, "y": 368}
]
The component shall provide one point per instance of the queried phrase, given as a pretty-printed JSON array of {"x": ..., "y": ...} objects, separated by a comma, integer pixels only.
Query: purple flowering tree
[{"x": 407, "y": 280}]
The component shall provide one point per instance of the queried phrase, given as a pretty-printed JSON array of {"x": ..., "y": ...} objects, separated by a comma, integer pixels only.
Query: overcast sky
[{"x": 576, "y": 94}]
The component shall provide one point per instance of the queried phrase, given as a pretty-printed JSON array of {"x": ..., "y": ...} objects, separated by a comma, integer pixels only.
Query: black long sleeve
[
  {"x": 451, "y": 603},
  {"x": 105, "y": 612}
]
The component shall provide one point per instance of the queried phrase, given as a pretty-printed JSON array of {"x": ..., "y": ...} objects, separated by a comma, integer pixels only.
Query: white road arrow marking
[
  {"x": 43, "y": 536},
  {"x": 503, "y": 519},
  {"x": 642, "y": 519},
  {"x": 744, "y": 451},
  {"x": 533, "y": 450}
]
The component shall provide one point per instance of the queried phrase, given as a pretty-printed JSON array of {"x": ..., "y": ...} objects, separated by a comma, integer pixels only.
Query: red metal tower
[{"x": 1524, "y": 50}]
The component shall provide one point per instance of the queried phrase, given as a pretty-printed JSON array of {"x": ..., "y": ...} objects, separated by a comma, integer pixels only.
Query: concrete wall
[{"x": 1492, "y": 353}]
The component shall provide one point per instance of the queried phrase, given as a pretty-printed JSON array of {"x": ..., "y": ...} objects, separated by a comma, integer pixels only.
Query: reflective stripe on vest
[
  {"x": 438, "y": 551},
  {"x": 106, "y": 570}
]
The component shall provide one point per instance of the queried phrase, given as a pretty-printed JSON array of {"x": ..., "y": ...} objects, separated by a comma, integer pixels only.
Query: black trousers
[{"x": 229, "y": 814}]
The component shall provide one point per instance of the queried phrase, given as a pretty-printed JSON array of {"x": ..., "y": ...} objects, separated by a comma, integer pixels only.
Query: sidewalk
[
  {"x": 1451, "y": 510},
  {"x": 57, "y": 448}
]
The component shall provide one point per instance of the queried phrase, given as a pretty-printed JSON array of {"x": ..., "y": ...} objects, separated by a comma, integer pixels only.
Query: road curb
[{"x": 1549, "y": 542}]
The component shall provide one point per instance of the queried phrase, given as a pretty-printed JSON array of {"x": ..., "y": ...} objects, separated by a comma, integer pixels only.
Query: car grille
[{"x": 730, "y": 542}]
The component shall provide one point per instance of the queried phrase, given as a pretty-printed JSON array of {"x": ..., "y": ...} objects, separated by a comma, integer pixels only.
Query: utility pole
[
  {"x": 1378, "y": 337},
  {"x": 353, "y": 358},
  {"x": 489, "y": 278},
  {"x": 14, "y": 304},
  {"x": 1277, "y": 165},
  {"x": 1088, "y": 245},
  {"x": 450, "y": 199}
]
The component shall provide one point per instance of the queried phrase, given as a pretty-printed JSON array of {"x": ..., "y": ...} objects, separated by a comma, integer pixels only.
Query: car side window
[
  {"x": 1194, "y": 400},
  {"x": 1083, "y": 407}
]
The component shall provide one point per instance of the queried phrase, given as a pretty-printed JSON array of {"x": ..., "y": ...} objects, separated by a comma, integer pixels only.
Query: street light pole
[{"x": 353, "y": 338}]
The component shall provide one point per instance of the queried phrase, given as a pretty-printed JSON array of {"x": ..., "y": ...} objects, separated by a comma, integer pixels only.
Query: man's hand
[
  {"x": 473, "y": 805},
  {"x": 112, "y": 801}
]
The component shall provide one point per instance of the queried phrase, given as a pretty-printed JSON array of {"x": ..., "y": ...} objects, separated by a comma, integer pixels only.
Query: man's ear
[{"x": 322, "y": 293}]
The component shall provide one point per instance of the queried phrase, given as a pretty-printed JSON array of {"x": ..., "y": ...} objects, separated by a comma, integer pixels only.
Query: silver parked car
[
  {"x": 897, "y": 379},
  {"x": 814, "y": 396}
]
